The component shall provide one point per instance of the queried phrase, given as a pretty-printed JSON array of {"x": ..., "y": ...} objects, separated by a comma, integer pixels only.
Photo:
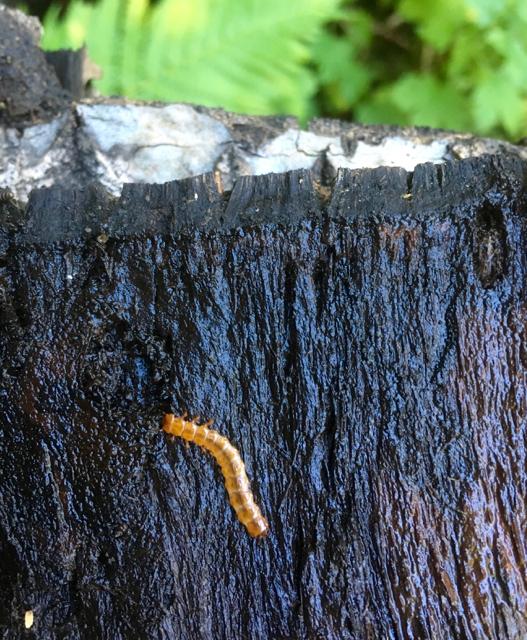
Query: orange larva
[{"x": 232, "y": 467}]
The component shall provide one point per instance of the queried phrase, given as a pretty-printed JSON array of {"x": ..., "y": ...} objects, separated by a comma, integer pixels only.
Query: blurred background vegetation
[{"x": 457, "y": 64}]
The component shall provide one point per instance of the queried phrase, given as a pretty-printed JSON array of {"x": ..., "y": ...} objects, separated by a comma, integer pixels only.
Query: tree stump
[{"x": 358, "y": 333}]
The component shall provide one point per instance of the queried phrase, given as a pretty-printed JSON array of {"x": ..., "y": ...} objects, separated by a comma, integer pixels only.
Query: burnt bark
[
  {"x": 70, "y": 67},
  {"x": 364, "y": 347},
  {"x": 29, "y": 89}
]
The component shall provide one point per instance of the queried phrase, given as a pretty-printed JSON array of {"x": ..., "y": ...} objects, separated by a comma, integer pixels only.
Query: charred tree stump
[
  {"x": 359, "y": 335},
  {"x": 368, "y": 359}
]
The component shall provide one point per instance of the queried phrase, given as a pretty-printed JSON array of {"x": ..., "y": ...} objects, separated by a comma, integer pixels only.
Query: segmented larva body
[{"x": 232, "y": 467}]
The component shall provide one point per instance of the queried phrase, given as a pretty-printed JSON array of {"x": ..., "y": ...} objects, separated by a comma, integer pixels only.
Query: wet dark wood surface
[{"x": 367, "y": 358}]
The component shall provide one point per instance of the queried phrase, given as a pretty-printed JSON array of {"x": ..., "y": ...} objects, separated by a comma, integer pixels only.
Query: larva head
[
  {"x": 258, "y": 528},
  {"x": 173, "y": 424}
]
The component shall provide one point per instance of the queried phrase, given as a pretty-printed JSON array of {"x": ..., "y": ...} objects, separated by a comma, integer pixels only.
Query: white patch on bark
[
  {"x": 393, "y": 152},
  {"x": 27, "y": 155},
  {"x": 300, "y": 150},
  {"x": 135, "y": 143}
]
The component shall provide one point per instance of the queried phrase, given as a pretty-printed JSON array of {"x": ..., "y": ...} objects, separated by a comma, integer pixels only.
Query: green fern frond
[{"x": 243, "y": 55}]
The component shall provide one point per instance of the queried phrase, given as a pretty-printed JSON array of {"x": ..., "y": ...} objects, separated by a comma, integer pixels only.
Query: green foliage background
[{"x": 458, "y": 64}]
